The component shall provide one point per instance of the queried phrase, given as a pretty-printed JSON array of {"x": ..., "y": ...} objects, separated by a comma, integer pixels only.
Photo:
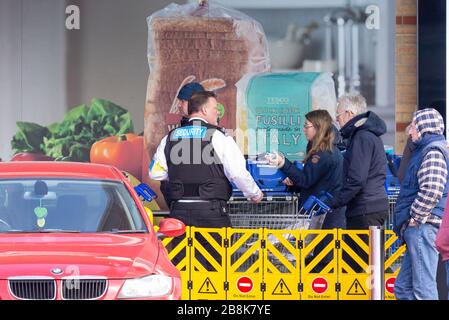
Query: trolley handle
[
  {"x": 391, "y": 165},
  {"x": 299, "y": 165},
  {"x": 315, "y": 206},
  {"x": 268, "y": 182},
  {"x": 324, "y": 195},
  {"x": 312, "y": 200},
  {"x": 322, "y": 208},
  {"x": 145, "y": 192}
]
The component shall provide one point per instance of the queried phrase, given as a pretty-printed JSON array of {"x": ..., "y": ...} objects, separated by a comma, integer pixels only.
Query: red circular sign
[
  {"x": 245, "y": 284},
  {"x": 319, "y": 285},
  {"x": 389, "y": 285}
]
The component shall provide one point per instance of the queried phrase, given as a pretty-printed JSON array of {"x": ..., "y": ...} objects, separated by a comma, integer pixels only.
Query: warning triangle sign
[
  {"x": 356, "y": 289},
  {"x": 281, "y": 289},
  {"x": 207, "y": 287}
]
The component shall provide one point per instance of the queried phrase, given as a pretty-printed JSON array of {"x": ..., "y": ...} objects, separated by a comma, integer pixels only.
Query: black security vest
[{"x": 194, "y": 171}]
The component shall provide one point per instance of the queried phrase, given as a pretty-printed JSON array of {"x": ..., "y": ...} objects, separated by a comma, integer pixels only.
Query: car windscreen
[{"x": 67, "y": 205}]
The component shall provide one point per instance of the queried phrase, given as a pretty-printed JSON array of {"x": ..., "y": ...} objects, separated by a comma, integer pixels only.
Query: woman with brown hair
[{"x": 323, "y": 167}]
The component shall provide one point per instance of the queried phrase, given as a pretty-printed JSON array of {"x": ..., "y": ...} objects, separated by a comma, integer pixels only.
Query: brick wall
[{"x": 406, "y": 63}]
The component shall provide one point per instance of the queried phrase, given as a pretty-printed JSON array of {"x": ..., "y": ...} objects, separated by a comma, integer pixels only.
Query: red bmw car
[{"x": 79, "y": 231}]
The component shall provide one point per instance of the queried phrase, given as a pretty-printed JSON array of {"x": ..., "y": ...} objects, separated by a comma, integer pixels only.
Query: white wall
[
  {"x": 107, "y": 57},
  {"x": 32, "y": 72},
  {"x": 46, "y": 69},
  {"x": 10, "y": 91}
]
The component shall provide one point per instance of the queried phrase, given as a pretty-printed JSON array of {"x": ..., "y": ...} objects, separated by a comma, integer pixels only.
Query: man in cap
[
  {"x": 184, "y": 95},
  {"x": 420, "y": 207},
  {"x": 199, "y": 161}
]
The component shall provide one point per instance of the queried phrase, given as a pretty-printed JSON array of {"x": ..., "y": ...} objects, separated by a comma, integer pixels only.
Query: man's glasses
[{"x": 340, "y": 114}]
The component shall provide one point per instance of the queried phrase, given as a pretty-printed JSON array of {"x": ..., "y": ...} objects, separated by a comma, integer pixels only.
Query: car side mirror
[{"x": 170, "y": 227}]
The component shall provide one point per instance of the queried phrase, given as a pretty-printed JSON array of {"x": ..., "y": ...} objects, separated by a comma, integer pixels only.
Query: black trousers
[
  {"x": 362, "y": 222},
  {"x": 365, "y": 221},
  {"x": 212, "y": 214}
]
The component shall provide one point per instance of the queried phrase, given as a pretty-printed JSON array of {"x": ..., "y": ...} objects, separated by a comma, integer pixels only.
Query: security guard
[
  {"x": 199, "y": 161},
  {"x": 182, "y": 98}
]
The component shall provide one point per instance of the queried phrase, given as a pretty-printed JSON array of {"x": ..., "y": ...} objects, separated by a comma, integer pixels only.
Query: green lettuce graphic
[{"x": 71, "y": 139}]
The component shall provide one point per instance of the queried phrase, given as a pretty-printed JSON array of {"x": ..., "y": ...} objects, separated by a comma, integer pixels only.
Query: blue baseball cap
[{"x": 189, "y": 89}]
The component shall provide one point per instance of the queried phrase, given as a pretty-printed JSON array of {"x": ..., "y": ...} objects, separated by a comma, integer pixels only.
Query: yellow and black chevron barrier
[{"x": 263, "y": 264}]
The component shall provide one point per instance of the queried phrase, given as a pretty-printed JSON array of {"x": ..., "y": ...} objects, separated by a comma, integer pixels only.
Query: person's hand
[
  {"x": 275, "y": 159},
  {"x": 258, "y": 198},
  {"x": 412, "y": 222},
  {"x": 288, "y": 182},
  {"x": 330, "y": 203},
  {"x": 402, "y": 232}
]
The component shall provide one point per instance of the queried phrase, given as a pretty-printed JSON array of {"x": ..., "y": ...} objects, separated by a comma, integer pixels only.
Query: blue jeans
[
  {"x": 417, "y": 278},
  {"x": 446, "y": 263}
]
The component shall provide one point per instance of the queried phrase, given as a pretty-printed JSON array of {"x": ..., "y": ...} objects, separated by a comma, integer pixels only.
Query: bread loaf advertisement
[{"x": 209, "y": 44}]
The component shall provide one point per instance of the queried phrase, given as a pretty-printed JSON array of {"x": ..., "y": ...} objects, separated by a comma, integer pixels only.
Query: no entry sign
[
  {"x": 245, "y": 284},
  {"x": 319, "y": 285},
  {"x": 389, "y": 285}
]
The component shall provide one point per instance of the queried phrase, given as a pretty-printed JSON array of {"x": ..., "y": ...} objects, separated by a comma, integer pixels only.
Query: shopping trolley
[
  {"x": 313, "y": 212},
  {"x": 392, "y": 186},
  {"x": 392, "y": 194},
  {"x": 392, "y": 198},
  {"x": 277, "y": 210},
  {"x": 273, "y": 213}
]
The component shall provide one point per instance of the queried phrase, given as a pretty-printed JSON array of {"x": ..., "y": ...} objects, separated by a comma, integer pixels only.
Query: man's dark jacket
[{"x": 364, "y": 167}]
